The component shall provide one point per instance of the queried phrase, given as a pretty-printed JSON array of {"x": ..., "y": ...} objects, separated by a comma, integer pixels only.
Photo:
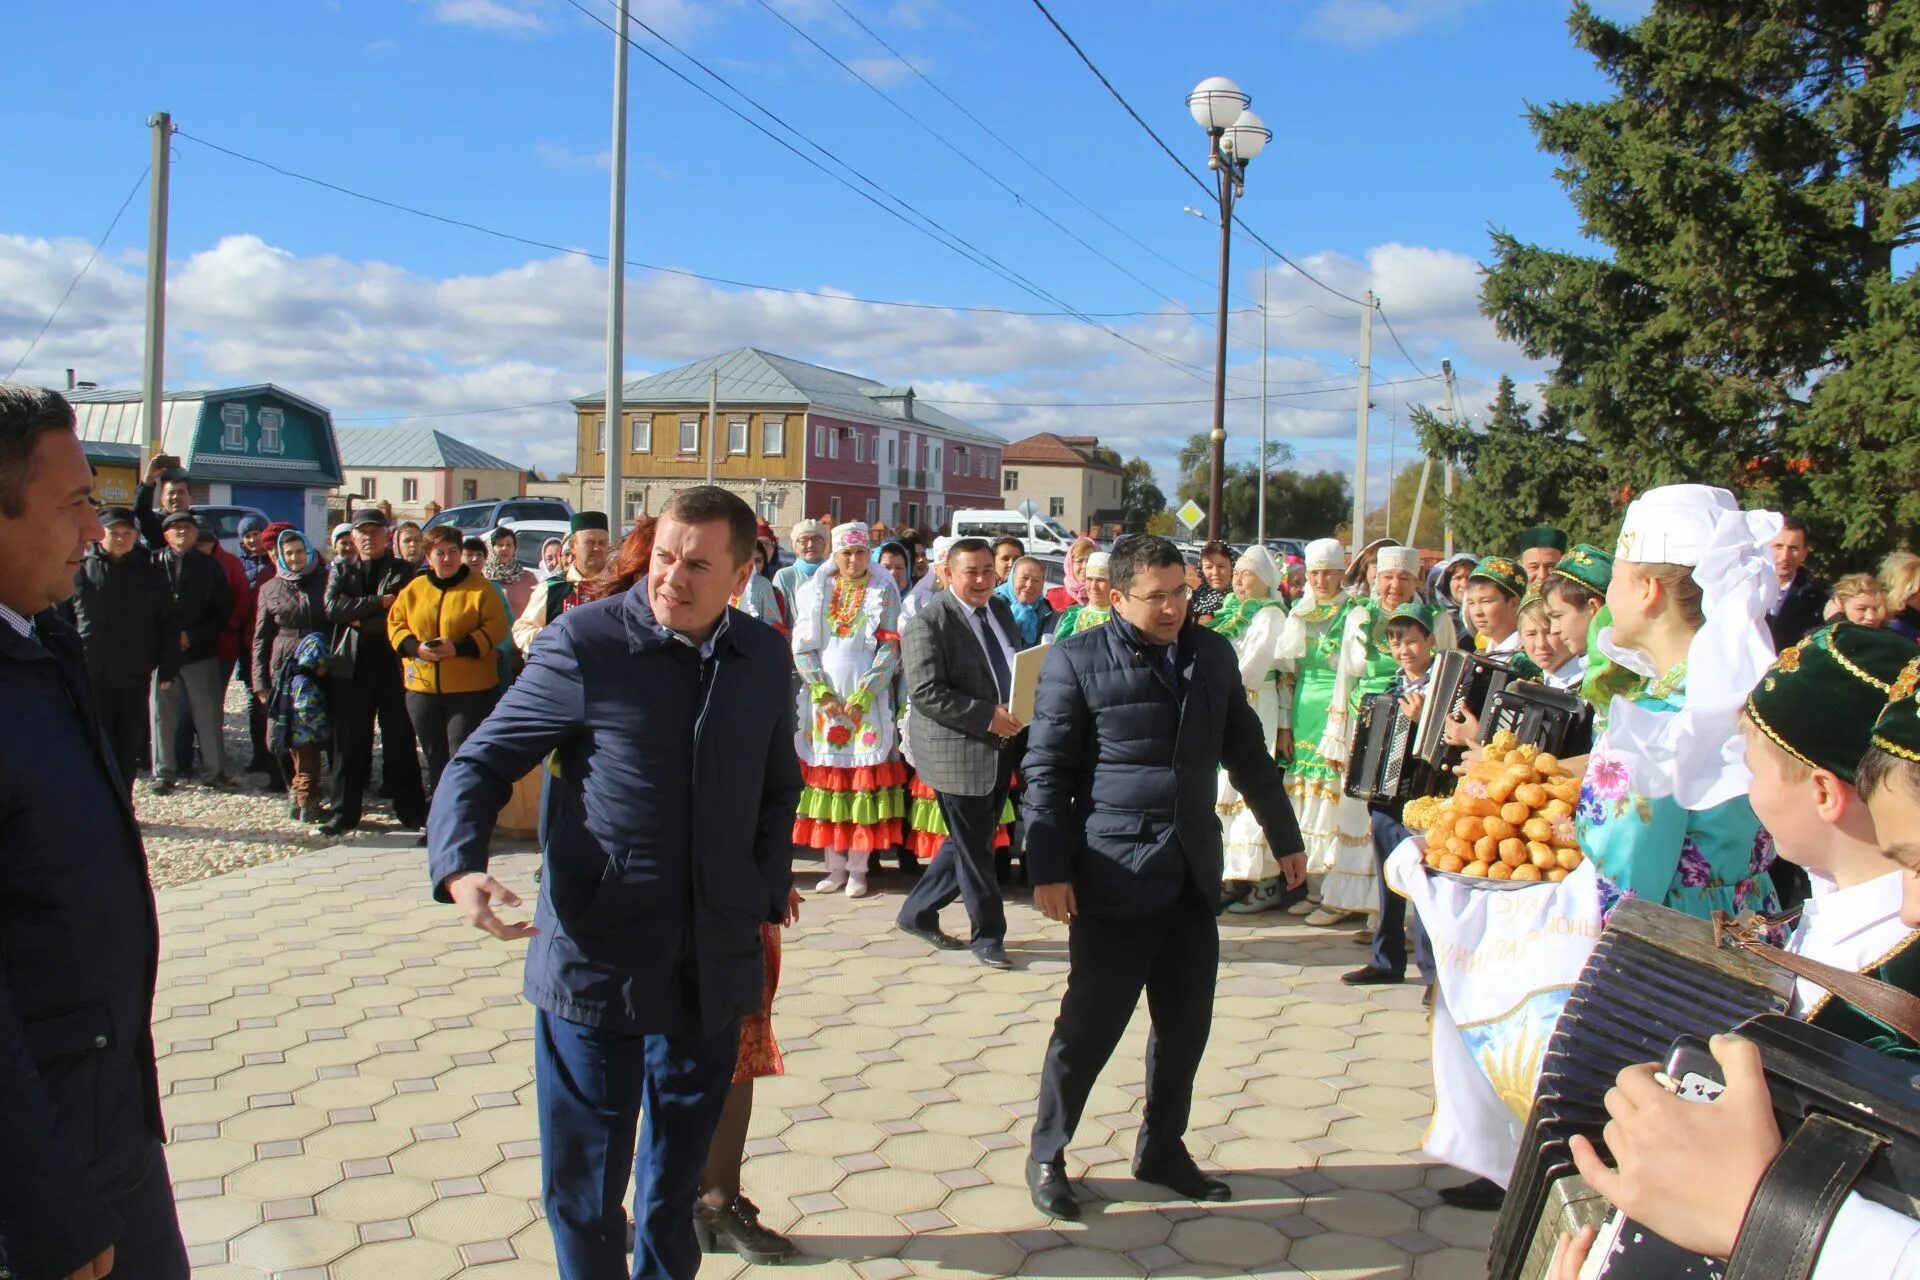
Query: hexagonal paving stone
[
  {"x": 294, "y": 1242},
  {"x": 892, "y": 1191},
  {"x": 1362, "y": 1212},
  {"x": 376, "y": 1199},
  {"x": 930, "y": 1153},
  {"x": 469, "y": 1219},
  {"x": 388, "y": 1260},
  {"x": 1337, "y": 1254}
]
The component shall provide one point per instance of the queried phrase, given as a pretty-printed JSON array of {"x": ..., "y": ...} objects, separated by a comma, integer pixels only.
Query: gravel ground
[{"x": 198, "y": 832}]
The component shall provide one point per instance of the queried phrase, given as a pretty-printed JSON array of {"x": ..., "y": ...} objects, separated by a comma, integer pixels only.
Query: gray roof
[
  {"x": 749, "y": 376},
  {"x": 118, "y": 417},
  {"x": 412, "y": 449}
]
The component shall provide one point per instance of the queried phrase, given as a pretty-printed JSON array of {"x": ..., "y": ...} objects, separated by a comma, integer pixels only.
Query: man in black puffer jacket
[
  {"x": 121, "y": 606},
  {"x": 1131, "y": 723},
  {"x": 201, "y": 604}
]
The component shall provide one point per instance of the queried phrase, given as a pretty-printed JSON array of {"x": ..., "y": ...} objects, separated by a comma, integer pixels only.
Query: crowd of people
[{"x": 697, "y": 713}]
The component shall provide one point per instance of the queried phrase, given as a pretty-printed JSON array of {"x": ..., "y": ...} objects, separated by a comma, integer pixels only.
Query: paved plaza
[{"x": 348, "y": 1073}]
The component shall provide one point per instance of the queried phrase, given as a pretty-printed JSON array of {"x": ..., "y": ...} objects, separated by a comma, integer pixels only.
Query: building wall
[
  {"x": 662, "y": 458},
  {"x": 1079, "y": 491},
  {"x": 432, "y": 484}
]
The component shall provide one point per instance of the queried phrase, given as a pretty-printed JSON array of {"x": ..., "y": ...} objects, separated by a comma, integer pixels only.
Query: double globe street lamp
[{"x": 1235, "y": 136}]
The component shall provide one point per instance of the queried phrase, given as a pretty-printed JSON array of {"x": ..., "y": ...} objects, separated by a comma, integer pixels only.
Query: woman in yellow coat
[{"x": 445, "y": 625}]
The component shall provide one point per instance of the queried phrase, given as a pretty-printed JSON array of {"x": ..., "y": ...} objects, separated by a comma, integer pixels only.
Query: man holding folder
[{"x": 958, "y": 658}]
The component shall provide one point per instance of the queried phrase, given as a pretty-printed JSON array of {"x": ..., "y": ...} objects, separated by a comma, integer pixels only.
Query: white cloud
[
  {"x": 885, "y": 70},
  {"x": 557, "y": 155},
  {"x": 1364, "y": 22},
  {"x": 488, "y": 15},
  {"x": 527, "y": 17},
  {"x": 373, "y": 339}
]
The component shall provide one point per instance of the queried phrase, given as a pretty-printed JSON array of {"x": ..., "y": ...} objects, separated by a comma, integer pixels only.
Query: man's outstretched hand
[{"x": 475, "y": 893}]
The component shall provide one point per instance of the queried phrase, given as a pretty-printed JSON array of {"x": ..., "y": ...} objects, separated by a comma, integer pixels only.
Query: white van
[{"x": 1039, "y": 533}]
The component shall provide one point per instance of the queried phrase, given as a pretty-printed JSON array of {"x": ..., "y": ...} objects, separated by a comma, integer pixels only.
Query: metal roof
[
  {"x": 412, "y": 449},
  {"x": 1047, "y": 449},
  {"x": 749, "y": 376}
]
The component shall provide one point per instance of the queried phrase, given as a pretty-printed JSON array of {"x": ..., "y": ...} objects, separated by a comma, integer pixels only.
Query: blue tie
[{"x": 1002, "y": 678}]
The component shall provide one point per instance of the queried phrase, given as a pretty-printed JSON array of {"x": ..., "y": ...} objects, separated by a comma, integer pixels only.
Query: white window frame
[
  {"x": 819, "y": 442},
  {"x": 469, "y": 491},
  {"x": 833, "y": 508},
  {"x": 890, "y": 451},
  {"x": 1056, "y": 507},
  {"x": 233, "y": 428},
  {"x": 859, "y": 447},
  {"x": 642, "y": 441},
  {"x": 737, "y": 444},
  {"x": 833, "y": 446},
  {"x": 369, "y": 486},
  {"x": 773, "y": 435},
  {"x": 1009, "y": 481},
  {"x": 600, "y": 434},
  {"x": 409, "y": 490},
  {"x": 686, "y": 449},
  {"x": 272, "y": 430},
  {"x": 873, "y": 511}
]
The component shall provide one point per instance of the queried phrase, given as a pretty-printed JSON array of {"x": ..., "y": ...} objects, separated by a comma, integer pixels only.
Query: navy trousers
[
  {"x": 964, "y": 866},
  {"x": 595, "y": 1088},
  {"x": 149, "y": 1247},
  {"x": 1390, "y": 933}
]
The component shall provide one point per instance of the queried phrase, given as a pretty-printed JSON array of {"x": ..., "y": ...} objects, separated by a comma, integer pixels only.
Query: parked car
[
  {"x": 1284, "y": 547},
  {"x": 475, "y": 517},
  {"x": 229, "y": 518}
]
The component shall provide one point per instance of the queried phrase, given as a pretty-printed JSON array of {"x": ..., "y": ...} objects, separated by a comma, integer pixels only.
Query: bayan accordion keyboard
[
  {"x": 1539, "y": 716},
  {"x": 1654, "y": 976},
  {"x": 1383, "y": 767},
  {"x": 1459, "y": 681}
]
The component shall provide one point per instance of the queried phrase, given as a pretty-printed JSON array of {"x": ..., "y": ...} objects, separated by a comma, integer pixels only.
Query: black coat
[
  {"x": 286, "y": 611},
  {"x": 1802, "y": 608},
  {"x": 1121, "y": 775},
  {"x": 202, "y": 603},
  {"x": 79, "y": 946},
  {"x": 669, "y": 836},
  {"x": 354, "y": 589},
  {"x": 123, "y": 609}
]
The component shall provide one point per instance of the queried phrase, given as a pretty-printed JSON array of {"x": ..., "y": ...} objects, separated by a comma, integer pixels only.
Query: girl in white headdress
[
  {"x": 1099, "y": 606},
  {"x": 1312, "y": 785},
  {"x": 1363, "y": 665},
  {"x": 846, "y": 646},
  {"x": 1254, "y": 620},
  {"x": 1663, "y": 812}
]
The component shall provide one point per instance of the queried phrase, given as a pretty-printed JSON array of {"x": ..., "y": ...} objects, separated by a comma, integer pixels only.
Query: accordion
[
  {"x": 1539, "y": 716},
  {"x": 1460, "y": 681},
  {"x": 1655, "y": 976},
  {"x": 1383, "y": 766}
]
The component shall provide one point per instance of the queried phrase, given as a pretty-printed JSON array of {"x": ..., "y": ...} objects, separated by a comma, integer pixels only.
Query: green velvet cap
[
  {"x": 1502, "y": 573},
  {"x": 1543, "y": 535},
  {"x": 1415, "y": 611},
  {"x": 587, "y": 520},
  {"x": 1897, "y": 731},
  {"x": 1819, "y": 699},
  {"x": 1523, "y": 666},
  {"x": 1587, "y": 565}
]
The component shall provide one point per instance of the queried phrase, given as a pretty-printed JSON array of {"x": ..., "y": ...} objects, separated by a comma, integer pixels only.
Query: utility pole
[
  {"x": 1364, "y": 407},
  {"x": 1446, "y": 372},
  {"x": 713, "y": 419},
  {"x": 154, "y": 368},
  {"x": 617, "y": 280},
  {"x": 1217, "y": 463},
  {"x": 1260, "y": 520}
]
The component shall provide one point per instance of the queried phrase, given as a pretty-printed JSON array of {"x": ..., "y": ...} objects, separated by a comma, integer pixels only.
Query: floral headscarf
[{"x": 504, "y": 570}]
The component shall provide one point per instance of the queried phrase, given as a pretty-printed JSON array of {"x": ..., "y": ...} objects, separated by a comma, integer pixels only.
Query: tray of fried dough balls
[{"x": 1509, "y": 824}]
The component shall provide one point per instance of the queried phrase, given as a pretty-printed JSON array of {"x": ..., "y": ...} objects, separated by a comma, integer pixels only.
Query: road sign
[
  {"x": 1191, "y": 515},
  {"x": 1028, "y": 509}
]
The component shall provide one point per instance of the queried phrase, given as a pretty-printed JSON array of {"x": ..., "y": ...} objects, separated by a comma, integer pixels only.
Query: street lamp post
[{"x": 1234, "y": 137}]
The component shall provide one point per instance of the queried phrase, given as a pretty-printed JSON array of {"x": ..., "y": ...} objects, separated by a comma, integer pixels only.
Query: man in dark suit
[
  {"x": 1131, "y": 723},
  {"x": 669, "y": 843},
  {"x": 1803, "y": 597},
  {"x": 83, "y": 1183},
  {"x": 957, "y": 665}
]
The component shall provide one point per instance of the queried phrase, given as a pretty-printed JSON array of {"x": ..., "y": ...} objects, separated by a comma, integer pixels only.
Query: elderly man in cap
[
  {"x": 120, "y": 607},
  {"x": 1541, "y": 548},
  {"x": 200, "y": 606},
  {"x": 809, "y": 552},
  {"x": 591, "y": 547},
  {"x": 365, "y": 684}
]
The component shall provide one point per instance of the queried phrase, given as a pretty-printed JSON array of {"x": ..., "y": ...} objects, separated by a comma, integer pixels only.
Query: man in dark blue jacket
[
  {"x": 83, "y": 1180},
  {"x": 668, "y": 842},
  {"x": 1131, "y": 723}
]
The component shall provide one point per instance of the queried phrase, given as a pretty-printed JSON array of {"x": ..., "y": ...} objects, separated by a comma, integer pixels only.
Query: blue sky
[{"x": 1399, "y": 137}]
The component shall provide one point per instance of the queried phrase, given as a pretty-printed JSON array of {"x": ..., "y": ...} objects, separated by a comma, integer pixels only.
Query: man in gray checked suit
[{"x": 958, "y": 669}]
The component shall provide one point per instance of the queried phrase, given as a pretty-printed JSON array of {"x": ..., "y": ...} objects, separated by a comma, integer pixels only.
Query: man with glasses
[
  {"x": 1131, "y": 722},
  {"x": 957, "y": 665}
]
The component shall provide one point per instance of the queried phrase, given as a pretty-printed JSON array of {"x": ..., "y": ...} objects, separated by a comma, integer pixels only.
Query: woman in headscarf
[
  {"x": 931, "y": 583},
  {"x": 896, "y": 558},
  {"x": 290, "y": 606},
  {"x": 553, "y": 553},
  {"x": 1253, "y": 620},
  {"x": 1363, "y": 665},
  {"x": 757, "y": 598},
  {"x": 1074, "y": 590},
  {"x": 504, "y": 570},
  {"x": 1025, "y": 592},
  {"x": 1313, "y": 785},
  {"x": 1099, "y": 606},
  {"x": 846, "y": 646}
]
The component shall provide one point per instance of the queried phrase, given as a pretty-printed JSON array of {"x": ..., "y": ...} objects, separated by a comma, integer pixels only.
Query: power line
[
  {"x": 1403, "y": 346},
  {"x": 99, "y": 244},
  {"x": 1019, "y": 199},
  {"x": 730, "y": 282}
]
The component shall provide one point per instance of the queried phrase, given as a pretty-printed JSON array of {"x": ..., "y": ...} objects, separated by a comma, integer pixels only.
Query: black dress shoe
[
  {"x": 1182, "y": 1175},
  {"x": 337, "y": 826},
  {"x": 932, "y": 937},
  {"x": 1052, "y": 1193},
  {"x": 1372, "y": 977},
  {"x": 994, "y": 956},
  {"x": 1482, "y": 1194}
]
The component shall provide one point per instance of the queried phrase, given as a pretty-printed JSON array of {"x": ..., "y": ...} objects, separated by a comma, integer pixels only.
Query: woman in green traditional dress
[
  {"x": 1099, "y": 605},
  {"x": 1254, "y": 620},
  {"x": 1312, "y": 785},
  {"x": 1363, "y": 665}
]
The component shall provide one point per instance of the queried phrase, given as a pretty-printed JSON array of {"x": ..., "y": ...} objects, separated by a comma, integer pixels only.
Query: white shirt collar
[{"x": 1847, "y": 928}]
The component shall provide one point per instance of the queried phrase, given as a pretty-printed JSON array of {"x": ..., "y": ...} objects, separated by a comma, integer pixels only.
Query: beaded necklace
[{"x": 849, "y": 596}]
